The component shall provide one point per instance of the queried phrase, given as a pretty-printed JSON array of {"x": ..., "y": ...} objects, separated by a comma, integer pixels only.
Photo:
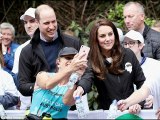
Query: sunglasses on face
[{"x": 68, "y": 57}]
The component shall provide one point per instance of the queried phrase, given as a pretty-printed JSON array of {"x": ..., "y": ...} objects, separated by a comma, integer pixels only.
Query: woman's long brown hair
[{"x": 96, "y": 57}]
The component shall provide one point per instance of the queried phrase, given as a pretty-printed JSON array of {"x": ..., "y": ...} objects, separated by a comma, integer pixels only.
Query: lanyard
[{"x": 143, "y": 60}]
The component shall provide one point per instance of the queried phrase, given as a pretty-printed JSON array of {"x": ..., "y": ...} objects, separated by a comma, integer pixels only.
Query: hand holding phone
[{"x": 84, "y": 49}]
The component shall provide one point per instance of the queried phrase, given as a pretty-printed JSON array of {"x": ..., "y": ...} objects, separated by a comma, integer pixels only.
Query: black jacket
[
  {"x": 32, "y": 60},
  {"x": 115, "y": 86},
  {"x": 152, "y": 43}
]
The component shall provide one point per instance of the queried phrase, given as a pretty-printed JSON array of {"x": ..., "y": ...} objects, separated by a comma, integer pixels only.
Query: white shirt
[
  {"x": 42, "y": 38},
  {"x": 17, "y": 55},
  {"x": 151, "y": 69},
  {"x": 7, "y": 83}
]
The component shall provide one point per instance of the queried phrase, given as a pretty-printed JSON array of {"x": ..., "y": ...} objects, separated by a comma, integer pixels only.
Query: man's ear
[{"x": 141, "y": 46}]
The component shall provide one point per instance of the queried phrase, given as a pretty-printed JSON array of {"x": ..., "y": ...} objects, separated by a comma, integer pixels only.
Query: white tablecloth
[{"x": 97, "y": 114}]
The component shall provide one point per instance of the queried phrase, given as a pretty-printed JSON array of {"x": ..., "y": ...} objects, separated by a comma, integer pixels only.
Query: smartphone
[{"x": 85, "y": 49}]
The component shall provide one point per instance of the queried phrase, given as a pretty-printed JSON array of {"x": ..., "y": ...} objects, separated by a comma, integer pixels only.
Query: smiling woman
[
  {"x": 8, "y": 45},
  {"x": 112, "y": 68}
]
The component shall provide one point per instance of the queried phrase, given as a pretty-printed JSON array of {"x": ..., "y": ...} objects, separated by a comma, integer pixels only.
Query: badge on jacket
[{"x": 128, "y": 67}]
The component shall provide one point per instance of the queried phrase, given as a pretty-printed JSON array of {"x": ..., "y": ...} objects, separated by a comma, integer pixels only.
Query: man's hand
[
  {"x": 134, "y": 109},
  {"x": 149, "y": 102}
]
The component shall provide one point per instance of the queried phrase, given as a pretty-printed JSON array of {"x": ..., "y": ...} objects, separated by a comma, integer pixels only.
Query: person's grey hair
[
  {"x": 6, "y": 25},
  {"x": 139, "y": 6},
  {"x": 40, "y": 8}
]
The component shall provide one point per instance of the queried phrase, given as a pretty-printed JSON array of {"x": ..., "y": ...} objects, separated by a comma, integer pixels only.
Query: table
[{"x": 96, "y": 114}]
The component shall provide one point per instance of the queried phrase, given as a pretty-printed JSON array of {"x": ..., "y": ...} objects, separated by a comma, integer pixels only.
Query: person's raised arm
[
  {"x": 45, "y": 81},
  {"x": 68, "y": 98},
  {"x": 136, "y": 97}
]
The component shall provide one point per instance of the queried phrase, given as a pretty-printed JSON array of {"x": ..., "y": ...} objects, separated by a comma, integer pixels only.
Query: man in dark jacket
[
  {"x": 41, "y": 53},
  {"x": 134, "y": 17}
]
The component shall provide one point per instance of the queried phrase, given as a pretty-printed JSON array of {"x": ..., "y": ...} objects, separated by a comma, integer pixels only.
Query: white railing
[{"x": 96, "y": 114}]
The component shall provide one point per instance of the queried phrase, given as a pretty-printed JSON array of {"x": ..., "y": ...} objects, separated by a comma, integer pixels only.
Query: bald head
[{"x": 43, "y": 9}]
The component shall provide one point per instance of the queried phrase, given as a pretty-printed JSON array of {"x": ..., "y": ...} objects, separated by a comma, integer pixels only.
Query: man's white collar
[{"x": 42, "y": 38}]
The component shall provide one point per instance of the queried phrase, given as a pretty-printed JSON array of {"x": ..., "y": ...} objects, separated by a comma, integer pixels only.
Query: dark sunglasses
[{"x": 68, "y": 57}]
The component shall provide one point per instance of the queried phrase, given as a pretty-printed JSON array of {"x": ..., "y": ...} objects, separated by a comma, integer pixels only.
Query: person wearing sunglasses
[{"x": 51, "y": 94}]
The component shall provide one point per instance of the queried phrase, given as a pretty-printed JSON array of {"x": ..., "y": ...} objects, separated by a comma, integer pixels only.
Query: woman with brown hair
[{"x": 112, "y": 68}]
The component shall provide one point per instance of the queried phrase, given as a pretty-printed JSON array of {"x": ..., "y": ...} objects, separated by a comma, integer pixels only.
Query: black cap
[{"x": 67, "y": 51}]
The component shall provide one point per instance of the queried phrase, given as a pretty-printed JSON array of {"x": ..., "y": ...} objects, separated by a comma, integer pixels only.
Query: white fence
[{"x": 96, "y": 114}]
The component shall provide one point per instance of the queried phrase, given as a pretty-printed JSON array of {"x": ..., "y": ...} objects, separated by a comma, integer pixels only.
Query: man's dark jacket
[
  {"x": 152, "y": 43},
  {"x": 32, "y": 60}
]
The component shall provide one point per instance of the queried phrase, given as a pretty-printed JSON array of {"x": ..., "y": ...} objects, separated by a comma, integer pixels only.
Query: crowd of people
[{"x": 34, "y": 75}]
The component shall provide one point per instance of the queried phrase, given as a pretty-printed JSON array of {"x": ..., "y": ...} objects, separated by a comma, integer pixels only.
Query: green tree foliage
[
  {"x": 116, "y": 15},
  {"x": 75, "y": 28},
  {"x": 149, "y": 21}
]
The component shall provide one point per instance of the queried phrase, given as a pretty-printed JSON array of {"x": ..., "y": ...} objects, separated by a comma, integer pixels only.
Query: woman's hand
[
  {"x": 36, "y": 86},
  {"x": 122, "y": 105},
  {"x": 77, "y": 64},
  {"x": 78, "y": 92}
]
